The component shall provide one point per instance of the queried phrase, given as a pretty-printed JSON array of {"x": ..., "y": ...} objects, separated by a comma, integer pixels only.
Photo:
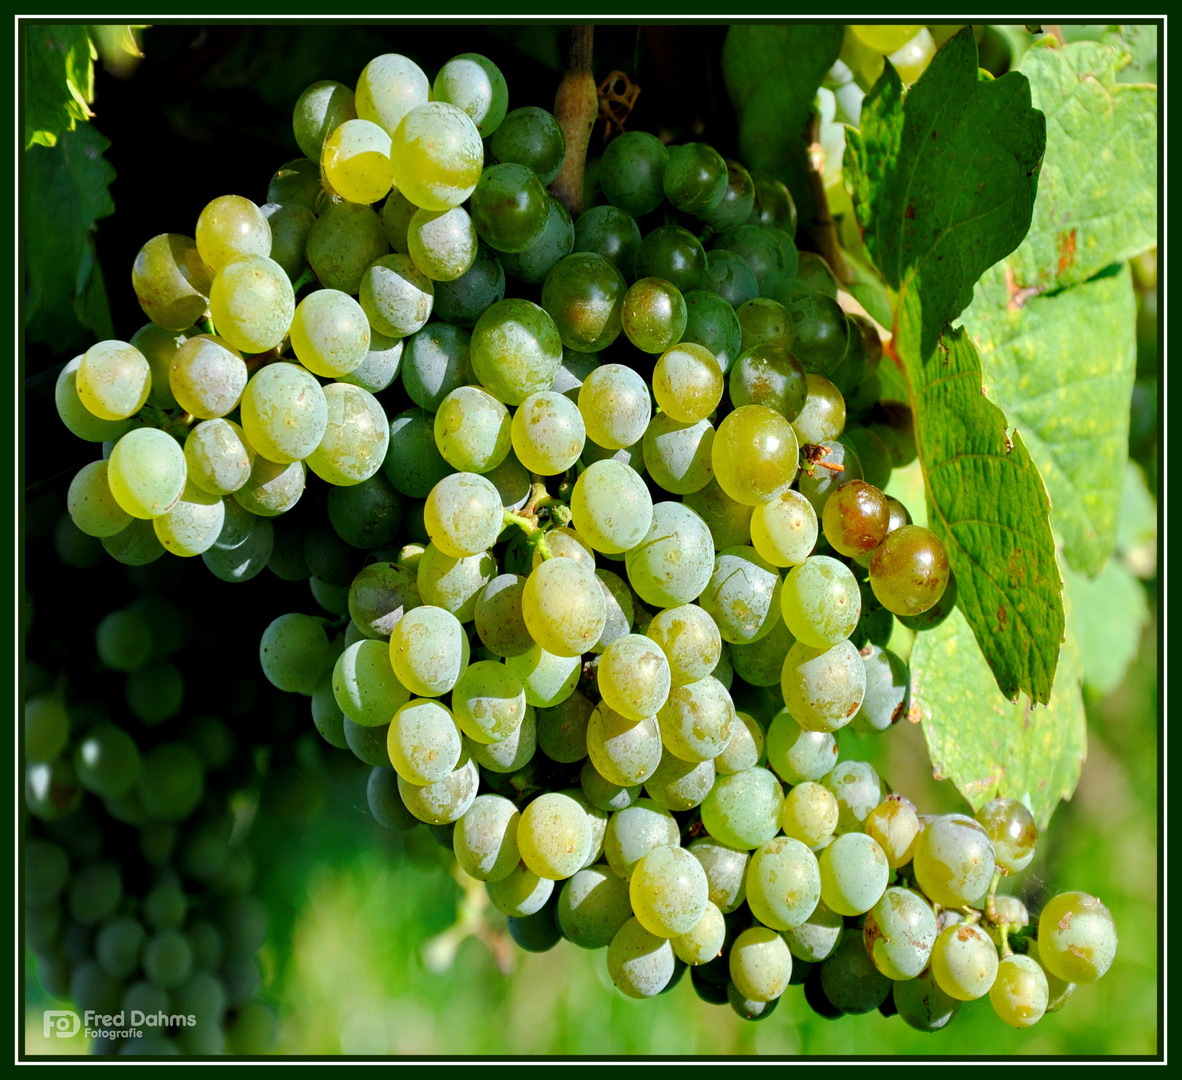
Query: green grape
[
  {"x": 146, "y": 472},
  {"x": 695, "y": 178},
  {"x": 519, "y": 893},
  {"x": 369, "y": 746},
  {"x": 91, "y": 505},
  {"x": 964, "y": 961},
  {"x": 653, "y": 315},
  {"x": 428, "y": 651},
  {"x": 548, "y": 433},
  {"x": 697, "y": 720},
  {"x": 472, "y": 430},
  {"x": 117, "y": 947},
  {"x": 437, "y": 155},
  {"x": 243, "y": 546},
  {"x": 600, "y": 792},
  {"x": 640, "y": 964},
  {"x": 677, "y": 455},
  {"x": 830, "y": 465},
  {"x": 229, "y": 226},
  {"x": 218, "y": 458},
  {"x": 107, "y": 761},
  {"x": 849, "y": 980},
  {"x": 744, "y": 809},
  {"x": 611, "y": 232},
  {"x": 412, "y": 463},
  {"x": 345, "y": 240},
  {"x": 688, "y": 383},
  {"x": 290, "y": 226},
  {"x": 704, "y": 941},
  {"x": 754, "y": 455},
  {"x": 423, "y": 742},
  {"x": 47, "y": 727},
  {"x": 911, "y": 58},
  {"x": 193, "y": 523},
  {"x": 584, "y": 295},
  {"x": 1076, "y": 937},
  {"x": 899, "y": 933},
  {"x": 767, "y": 374},
  {"x": 822, "y": 418},
  {"x": 531, "y": 137},
  {"x": 171, "y": 282},
  {"x": 516, "y": 350},
  {"x": 548, "y": 679},
  {"x": 712, "y": 322},
  {"x": 454, "y": 583},
  {"x": 669, "y": 891},
  {"x": 122, "y": 641},
  {"x": 745, "y": 750},
  {"x": 634, "y": 677},
  {"x": 475, "y": 84},
  {"x": 742, "y": 596},
  {"x": 463, "y": 514},
  {"x": 854, "y": 874},
  {"x": 446, "y": 800},
  {"x": 365, "y": 515},
  {"x": 729, "y": 521},
  {"x": 673, "y": 563},
  {"x": 500, "y": 623},
  {"x": 463, "y": 301},
  {"x": 396, "y": 296},
  {"x": 737, "y": 202},
  {"x": 632, "y": 172},
  {"x": 689, "y": 639},
  {"x": 488, "y": 702},
  {"x": 623, "y": 751},
  {"x": 356, "y": 437},
  {"x": 820, "y": 601},
  {"x": 563, "y": 607},
  {"x": 760, "y": 964},
  {"x": 615, "y": 405},
  {"x": 485, "y": 838},
  {"x": 556, "y": 242},
  {"x": 673, "y": 253},
  {"x": 617, "y": 598},
  {"x": 953, "y": 860},
  {"x": 442, "y": 243},
  {"x": 726, "y": 872},
  {"x": 611, "y": 507},
  {"x": 329, "y": 333},
  {"x": 365, "y": 686},
  {"x": 885, "y": 39},
  {"x": 817, "y": 937},
  {"x": 810, "y": 813},
  {"x": 113, "y": 380},
  {"x": 680, "y": 785},
  {"x": 295, "y": 651},
  {"x": 762, "y": 252},
  {"x": 783, "y": 883},
  {"x": 319, "y": 110},
  {"x": 511, "y": 754},
  {"x": 821, "y": 329},
  {"x": 171, "y": 782},
  {"x": 895, "y": 825},
  {"x": 436, "y": 362},
  {"x": 297, "y": 183},
  {"x": 562, "y": 730},
  {"x": 823, "y": 688},
  {"x": 575, "y": 367},
  {"x": 764, "y": 323},
  {"x": 730, "y": 277},
  {"x": 379, "y": 596},
  {"x": 390, "y": 86},
  {"x": 155, "y": 692},
  {"x": 510, "y": 208},
  {"x": 252, "y": 303},
  {"x": 938, "y": 612},
  {"x": 284, "y": 413},
  {"x": 784, "y": 529},
  {"x": 554, "y": 836},
  {"x": 167, "y": 960},
  {"x": 52, "y": 791},
  {"x": 888, "y": 690},
  {"x": 1019, "y": 994},
  {"x": 634, "y": 831},
  {"x": 921, "y": 1003},
  {"x": 80, "y": 421},
  {"x": 1011, "y": 829}
]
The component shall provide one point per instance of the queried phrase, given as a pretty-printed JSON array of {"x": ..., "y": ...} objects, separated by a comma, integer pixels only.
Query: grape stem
[
  {"x": 822, "y": 230},
  {"x": 576, "y": 107},
  {"x": 535, "y": 534},
  {"x": 990, "y": 904}
]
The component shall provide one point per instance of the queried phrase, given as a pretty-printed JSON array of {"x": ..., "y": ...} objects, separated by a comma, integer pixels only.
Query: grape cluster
[{"x": 594, "y": 508}]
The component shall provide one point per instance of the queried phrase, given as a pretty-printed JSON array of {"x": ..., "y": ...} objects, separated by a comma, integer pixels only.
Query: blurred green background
[{"x": 377, "y": 943}]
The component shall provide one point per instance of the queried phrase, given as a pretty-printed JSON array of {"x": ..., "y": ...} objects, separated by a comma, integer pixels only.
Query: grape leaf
[
  {"x": 1109, "y": 614},
  {"x": 65, "y": 193},
  {"x": 1062, "y": 366},
  {"x": 1062, "y": 359},
  {"x": 772, "y": 74},
  {"x": 58, "y": 81},
  {"x": 988, "y": 746},
  {"x": 943, "y": 182}
]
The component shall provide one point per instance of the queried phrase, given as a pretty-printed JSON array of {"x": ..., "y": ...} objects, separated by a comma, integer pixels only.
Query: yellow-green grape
[
  {"x": 669, "y": 891},
  {"x": 428, "y": 651},
  {"x": 271, "y": 489},
  {"x": 319, "y": 110},
  {"x": 1019, "y": 994},
  {"x": 228, "y": 226},
  {"x": 442, "y": 242},
  {"x": 783, "y": 883},
  {"x": 674, "y": 562},
  {"x": 760, "y": 964},
  {"x": 485, "y": 838},
  {"x": 745, "y": 750},
  {"x": 171, "y": 282},
  {"x": 193, "y": 523},
  {"x": 92, "y": 506},
  {"x": 680, "y": 785},
  {"x": 284, "y": 413},
  {"x": 784, "y": 530},
  {"x": 473, "y": 430},
  {"x": 704, "y": 941},
  {"x": 423, "y": 742},
  {"x": 911, "y": 58},
  {"x": 743, "y": 810},
  {"x": 688, "y": 382},
  {"x": 964, "y": 960},
  {"x": 355, "y": 162},
  {"x": 611, "y": 506},
  {"x": 823, "y": 688},
  {"x": 463, "y": 514},
  {"x": 953, "y": 860},
  {"x": 885, "y": 38},
  {"x": 475, "y": 84},
  {"x": 390, "y": 86},
  {"x": 146, "y": 472},
  {"x": 356, "y": 437},
  {"x": 895, "y": 826},
  {"x": 446, "y": 800},
  {"x": 820, "y": 601},
  {"x": 697, "y": 720},
  {"x": 113, "y": 380},
  {"x": 548, "y": 679},
  {"x": 365, "y": 686},
  {"x": 563, "y": 607},
  {"x": 437, "y": 155},
  {"x": 640, "y": 964},
  {"x": 80, "y": 421},
  {"x": 635, "y": 830},
  {"x": 548, "y": 433},
  {"x": 330, "y": 333},
  {"x": 1013, "y": 832},
  {"x": 755, "y": 455},
  {"x": 520, "y": 892},
  {"x": 396, "y": 296},
  {"x": 511, "y": 754},
  {"x": 623, "y": 751},
  {"x": 817, "y": 937},
  {"x": 554, "y": 836},
  {"x": 726, "y": 872},
  {"x": 1076, "y": 937},
  {"x": 690, "y": 641},
  {"x": 565, "y": 542},
  {"x": 742, "y": 596},
  {"x": 616, "y": 407},
  {"x": 252, "y": 303},
  {"x": 810, "y": 813},
  {"x": 488, "y": 702},
  {"x": 453, "y": 583},
  {"x": 207, "y": 377},
  {"x": 823, "y": 417},
  {"x": 515, "y": 350},
  {"x": 899, "y": 933},
  {"x": 854, "y": 873},
  {"x": 634, "y": 676}
]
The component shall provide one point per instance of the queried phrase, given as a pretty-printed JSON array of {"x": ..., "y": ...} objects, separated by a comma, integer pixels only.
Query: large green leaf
[
  {"x": 1054, "y": 323},
  {"x": 58, "y": 81},
  {"x": 943, "y": 184},
  {"x": 65, "y": 193},
  {"x": 772, "y": 74},
  {"x": 990, "y": 747}
]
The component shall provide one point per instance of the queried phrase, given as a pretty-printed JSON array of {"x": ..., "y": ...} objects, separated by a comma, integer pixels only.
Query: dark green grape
[
  {"x": 436, "y": 360},
  {"x": 412, "y": 463},
  {"x": 632, "y": 172},
  {"x": 921, "y": 1004},
  {"x": 737, "y": 202},
  {"x": 47, "y": 725},
  {"x": 365, "y": 515},
  {"x": 555, "y": 243},
  {"x": 767, "y": 374},
  {"x": 675, "y": 254},
  {"x": 584, "y": 295},
  {"x": 712, "y": 322},
  {"x": 107, "y": 762},
  {"x": 815, "y": 272},
  {"x": 654, "y": 315},
  {"x": 695, "y": 178},
  {"x": 774, "y": 204},
  {"x": 531, "y": 137},
  {"x": 873, "y": 453},
  {"x": 463, "y": 301},
  {"x": 510, "y": 207},
  {"x": 611, "y": 232},
  {"x": 730, "y": 276},
  {"x": 894, "y": 423},
  {"x": 822, "y": 329},
  {"x": 850, "y": 980},
  {"x": 761, "y": 250},
  {"x": 538, "y": 932}
]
